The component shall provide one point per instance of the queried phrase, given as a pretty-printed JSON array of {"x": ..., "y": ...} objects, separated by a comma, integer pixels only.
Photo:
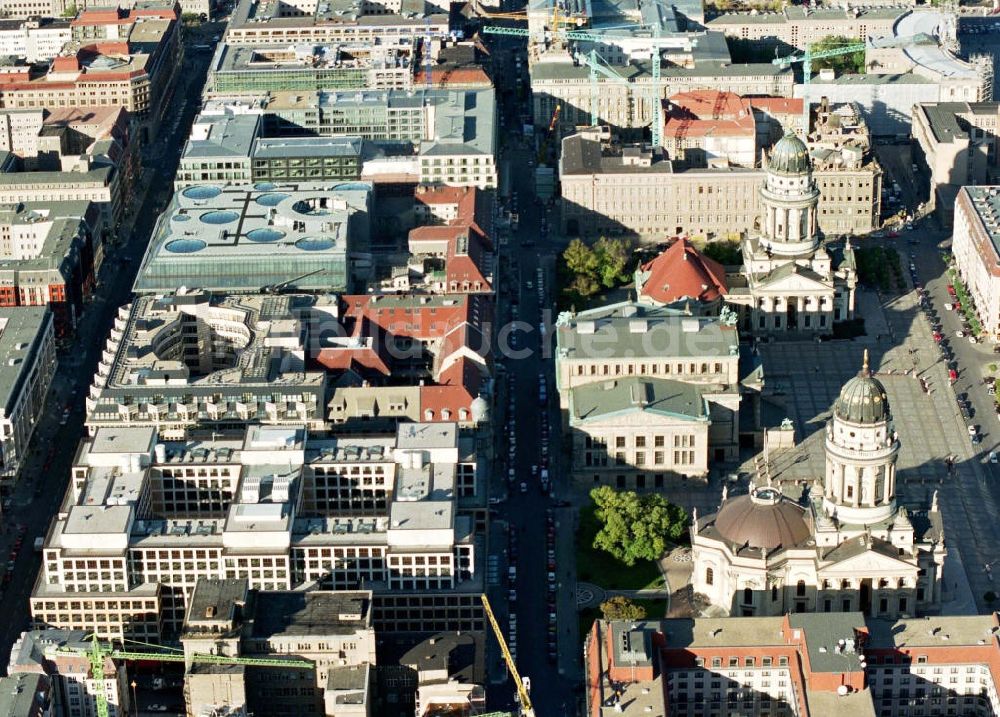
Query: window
[
  {"x": 709, "y": 576},
  {"x": 747, "y": 596},
  {"x": 800, "y": 588}
]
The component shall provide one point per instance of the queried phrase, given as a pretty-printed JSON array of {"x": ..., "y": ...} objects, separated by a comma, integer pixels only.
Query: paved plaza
[{"x": 807, "y": 376}]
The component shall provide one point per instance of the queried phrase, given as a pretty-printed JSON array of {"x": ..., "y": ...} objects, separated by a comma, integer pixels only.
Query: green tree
[
  {"x": 727, "y": 253},
  {"x": 613, "y": 259},
  {"x": 620, "y": 607},
  {"x": 636, "y": 527},
  {"x": 584, "y": 286},
  {"x": 852, "y": 63},
  {"x": 70, "y": 10},
  {"x": 580, "y": 259}
]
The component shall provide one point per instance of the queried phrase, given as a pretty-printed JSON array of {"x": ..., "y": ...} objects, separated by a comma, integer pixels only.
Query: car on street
[{"x": 993, "y": 457}]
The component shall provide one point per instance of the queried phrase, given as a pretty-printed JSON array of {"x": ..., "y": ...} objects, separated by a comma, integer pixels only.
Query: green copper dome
[
  {"x": 863, "y": 399},
  {"x": 789, "y": 156}
]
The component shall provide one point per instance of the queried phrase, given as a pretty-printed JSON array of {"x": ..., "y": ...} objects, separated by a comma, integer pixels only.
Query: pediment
[
  {"x": 870, "y": 563},
  {"x": 796, "y": 282}
]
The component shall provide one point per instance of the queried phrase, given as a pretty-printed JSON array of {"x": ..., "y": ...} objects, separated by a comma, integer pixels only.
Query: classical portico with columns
[
  {"x": 845, "y": 546},
  {"x": 793, "y": 285}
]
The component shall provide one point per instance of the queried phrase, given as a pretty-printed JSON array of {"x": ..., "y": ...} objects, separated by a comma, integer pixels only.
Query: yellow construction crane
[
  {"x": 522, "y": 693},
  {"x": 97, "y": 654}
]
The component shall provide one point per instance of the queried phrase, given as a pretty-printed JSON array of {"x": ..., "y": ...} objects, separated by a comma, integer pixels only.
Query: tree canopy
[
  {"x": 605, "y": 264},
  {"x": 636, "y": 526},
  {"x": 851, "y": 63},
  {"x": 620, "y": 607}
]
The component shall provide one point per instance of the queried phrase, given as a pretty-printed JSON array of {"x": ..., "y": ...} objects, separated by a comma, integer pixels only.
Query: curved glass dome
[
  {"x": 185, "y": 246},
  {"x": 181, "y": 217},
  {"x": 264, "y": 186},
  {"x": 271, "y": 200},
  {"x": 202, "y": 191},
  {"x": 347, "y": 186},
  {"x": 264, "y": 236},
  {"x": 315, "y": 244},
  {"x": 219, "y": 216}
]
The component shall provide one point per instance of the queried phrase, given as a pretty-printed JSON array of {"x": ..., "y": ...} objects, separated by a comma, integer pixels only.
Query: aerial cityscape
[{"x": 501, "y": 358}]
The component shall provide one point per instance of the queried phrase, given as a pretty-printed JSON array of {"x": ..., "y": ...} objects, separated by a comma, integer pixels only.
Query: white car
[
  {"x": 972, "y": 430},
  {"x": 993, "y": 456},
  {"x": 949, "y": 307},
  {"x": 960, "y": 334}
]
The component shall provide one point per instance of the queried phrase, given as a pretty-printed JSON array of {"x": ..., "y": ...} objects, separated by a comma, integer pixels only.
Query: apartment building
[
  {"x": 144, "y": 519},
  {"x": 27, "y": 345},
  {"x": 708, "y": 128},
  {"x": 50, "y": 253},
  {"x": 957, "y": 144},
  {"x": 74, "y": 686},
  {"x": 296, "y": 236},
  {"x": 649, "y": 393},
  {"x": 976, "y": 248},
  {"x": 35, "y": 40},
  {"x": 134, "y": 73},
  {"x": 331, "y": 629},
  {"x": 19, "y": 130},
  {"x": 100, "y": 185},
  {"x": 249, "y": 70},
  {"x": 190, "y": 359},
  {"x": 795, "y": 665},
  {"x": 631, "y": 191}
]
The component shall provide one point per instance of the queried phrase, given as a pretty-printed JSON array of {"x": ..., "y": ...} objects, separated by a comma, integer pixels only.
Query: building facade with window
[
  {"x": 976, "y": 248},
  {"x": 851, "y": 547}
]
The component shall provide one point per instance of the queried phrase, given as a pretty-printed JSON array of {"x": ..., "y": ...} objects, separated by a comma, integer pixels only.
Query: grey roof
[
  {"x": 789, "y": 156},
  {"x": 69, "y": 222},
  {"x": 24, "y": 695},
  {"x": 264, "y": 148},
  {"x": 217, "y": 599},
  {"x": 318, "y": 612},
  {"x": 863, "y": 399},
  {"x": 22, "y": 329},
  {"x": 633, "y": 330},
  {"x": 943, "y": 120},
  {"x": 460, "y": 653},
  {"x": 98, "y": 175},
  {"x": 907, "y": 78},
  {"x": 594, "y": 401},
  {"x": 583, "y": 154},
  {"x": 823, "y": 633},
  {"x": 222, "y": 136},
  {"x": 348, "y": 677},
  {"x": 985, "y": 201}
]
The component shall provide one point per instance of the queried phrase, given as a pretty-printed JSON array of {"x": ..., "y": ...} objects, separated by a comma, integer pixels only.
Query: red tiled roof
[
  {"x": 363, "y": 360},
  {"x": 457, "y": 388},
  {"x": 682, "y": 271},
  {"x": 777, "y": 105},
  {"x": 708, "y": 112},
  {"x": 468, "y": 76}
]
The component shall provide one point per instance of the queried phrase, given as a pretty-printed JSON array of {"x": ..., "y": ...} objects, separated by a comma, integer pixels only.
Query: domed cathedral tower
[
  {"x": 861, "y": 449},
  {"x": 788, "y": 199},
  {"x": 794, "y": 284},
  {"x": 847, "y": 547}
]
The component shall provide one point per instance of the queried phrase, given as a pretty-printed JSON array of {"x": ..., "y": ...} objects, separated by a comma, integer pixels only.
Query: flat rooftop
[
  {"x": 986, "y": 202},
  {"x": 21, "y": 332},
  {"x": 277, "y": 614}
]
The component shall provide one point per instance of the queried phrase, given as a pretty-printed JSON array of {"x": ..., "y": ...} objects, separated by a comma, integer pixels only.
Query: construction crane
[
  {"x": 522, "y": 692},
  {"x": 98, "y": 653},
  {"x": 555, "y": 118},
  {"x": 279, "y": 287},
  {"x": 806, "y": 58}
]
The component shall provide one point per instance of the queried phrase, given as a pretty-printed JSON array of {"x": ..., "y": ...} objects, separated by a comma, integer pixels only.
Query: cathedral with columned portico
[
  {"x": 848, "y": 546},
  {"x": 793, "y": 284}
]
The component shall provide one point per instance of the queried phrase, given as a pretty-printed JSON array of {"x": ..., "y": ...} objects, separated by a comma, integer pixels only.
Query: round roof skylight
[
  {"x": 315, "y": 244},
  {"x": 347, "y": 186},
  {"x": 264, "y": 186},
  {"x": 185, "y": 246},
  {"x": 181, "y": 217},
  {"x": 263, "y": 235},
  {"x": 271, "y": 200},
  {"x": 201, "y": 191},
  {"x": 219, "y": 216}
]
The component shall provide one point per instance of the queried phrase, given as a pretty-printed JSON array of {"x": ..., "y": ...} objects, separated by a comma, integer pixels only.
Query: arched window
[
  {"x": 774, "y": 592},
  {"x": 709, "y": 576},
  {"x": 747, "y": 596},
  {"x": 800, "y": 588}
]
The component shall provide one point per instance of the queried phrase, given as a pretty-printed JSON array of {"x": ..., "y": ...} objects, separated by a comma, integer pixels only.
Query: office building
[
  {"x": 957, "y": 145},
  {"x": 331, "y": 629},
  {"x": 795, "y": 665},
  {"x": 296, "y": 237},
  {"x": 74, "y": 686},
  {"x": 101, "y": 185},
  {"x": 393, "y": 512},
  {"x": 253, "y": 22},
  {"x": 976, "y": 248},
  {"x": 629, "y": 190},
  {"x": 450, "y": 674},
  {"x": 190, "y": 359},
  {"x": 797, "y": 27},
  {"x": 27, "y": 345},
  {"x": 250, "y": 70}
]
